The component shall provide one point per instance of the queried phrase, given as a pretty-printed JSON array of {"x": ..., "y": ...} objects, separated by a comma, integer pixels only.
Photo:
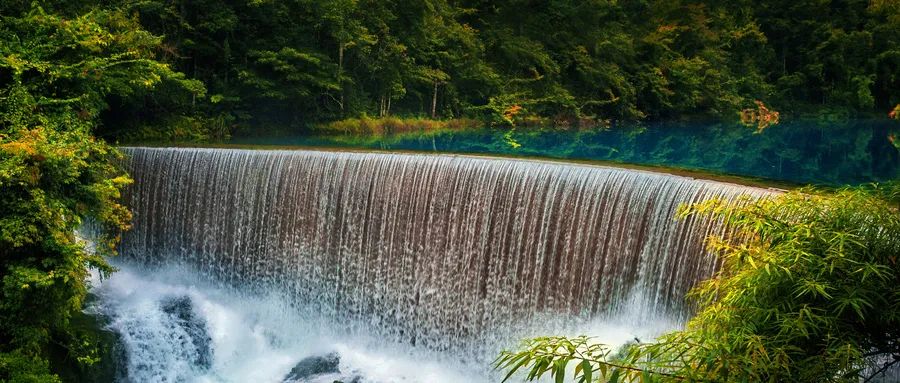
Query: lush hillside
[{"x": 289, "y": 63}]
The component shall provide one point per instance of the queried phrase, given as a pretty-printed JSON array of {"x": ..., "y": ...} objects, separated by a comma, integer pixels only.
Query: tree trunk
[
  {"x": 434, "y": 101},
  {"x": 340, "y": 74},
  {"x": 340, "y": 60},
  {"x": 227, "y": 55},
  {"x": 194, "y": 94}
]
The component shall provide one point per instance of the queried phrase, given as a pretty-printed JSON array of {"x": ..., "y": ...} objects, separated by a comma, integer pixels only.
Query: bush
[
  {"x": 54, "y": 174},
  {"x": 394, "y": 125},
  {"x": 812, "y": 294}
]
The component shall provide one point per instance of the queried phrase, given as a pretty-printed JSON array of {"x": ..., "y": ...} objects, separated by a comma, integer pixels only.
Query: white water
[{"x": 260, "y": 338}]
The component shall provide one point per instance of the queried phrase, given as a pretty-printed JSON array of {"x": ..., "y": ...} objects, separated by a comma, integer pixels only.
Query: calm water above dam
[{"x": 819, "y": 152}]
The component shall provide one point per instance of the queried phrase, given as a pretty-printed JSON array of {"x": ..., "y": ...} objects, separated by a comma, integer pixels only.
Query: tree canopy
[
  {"x": 288, "y": 63},
  {"x": 57, "y": 74}
]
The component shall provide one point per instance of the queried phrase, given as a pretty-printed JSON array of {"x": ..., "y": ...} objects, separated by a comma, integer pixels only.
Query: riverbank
[{"x": 394, "y": 125}]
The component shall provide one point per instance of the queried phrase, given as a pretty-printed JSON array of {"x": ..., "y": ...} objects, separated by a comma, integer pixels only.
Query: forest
[
  {"x": 223, "y": 66},
  {"x": 77, "y": 78}
]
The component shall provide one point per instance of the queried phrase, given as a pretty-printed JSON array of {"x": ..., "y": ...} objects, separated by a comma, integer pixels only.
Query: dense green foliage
[
  {"x": 289, "y": 63},
  {"x": 298, "y": 63},
  {"x": 56, "y": 74},
  {"x": 809, "y": 291}
]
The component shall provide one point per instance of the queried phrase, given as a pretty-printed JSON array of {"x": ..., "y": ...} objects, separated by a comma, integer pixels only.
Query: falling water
[{"x": 453, "y": 254}]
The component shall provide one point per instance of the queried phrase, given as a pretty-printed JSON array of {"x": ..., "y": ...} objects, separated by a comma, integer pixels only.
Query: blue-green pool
[{"x": 825, "y": 153}]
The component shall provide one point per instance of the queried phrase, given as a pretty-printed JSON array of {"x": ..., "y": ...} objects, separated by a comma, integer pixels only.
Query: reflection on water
[{"x": 849, "y": 152}]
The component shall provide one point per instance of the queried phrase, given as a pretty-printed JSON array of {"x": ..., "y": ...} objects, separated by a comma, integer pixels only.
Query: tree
[
  {"x": 562, "y": 60},
  {"x": 809, "y": 291},
  {"x": 56, "y": 74}
]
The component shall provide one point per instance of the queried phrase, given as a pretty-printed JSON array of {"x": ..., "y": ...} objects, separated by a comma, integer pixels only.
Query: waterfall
[{"x": 437, "y": 251}]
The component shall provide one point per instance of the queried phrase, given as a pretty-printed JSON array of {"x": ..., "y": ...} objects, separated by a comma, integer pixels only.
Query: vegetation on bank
[
  {"x": 809, "y": 291},
  {"x": 298, "y": 64},
  {"x": 394, "y": 125},
  {"x": 57, "y": 75},
  {"x": 391, "y": 125}
]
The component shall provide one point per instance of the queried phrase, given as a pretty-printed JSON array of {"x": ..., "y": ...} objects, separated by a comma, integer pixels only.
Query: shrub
[
  {"x": 394, "y": 125},
  {"x": 811, "y": 295}
]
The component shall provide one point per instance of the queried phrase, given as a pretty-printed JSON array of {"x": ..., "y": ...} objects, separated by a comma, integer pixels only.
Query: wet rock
[
  {"x": 315, "y": 366},
  {"x": 181, "y": 310}
]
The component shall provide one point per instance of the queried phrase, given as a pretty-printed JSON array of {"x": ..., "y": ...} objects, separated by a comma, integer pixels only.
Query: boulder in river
[
  {"x": 199, "y": 343},
  {"x": 314, "y": 366}
]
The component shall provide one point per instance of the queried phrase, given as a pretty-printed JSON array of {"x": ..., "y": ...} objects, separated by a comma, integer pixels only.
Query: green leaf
[
  {"x": 614, "y": 376},
  {"x": 587, "y": 370}
]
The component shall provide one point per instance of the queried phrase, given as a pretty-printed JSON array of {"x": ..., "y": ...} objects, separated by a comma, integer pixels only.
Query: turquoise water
[{"x": 850, "y": 152}]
